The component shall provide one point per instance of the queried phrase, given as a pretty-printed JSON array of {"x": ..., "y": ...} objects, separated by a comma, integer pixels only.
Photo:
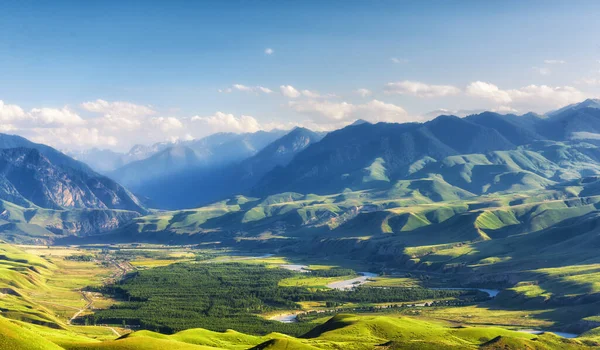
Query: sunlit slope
[
  {"x": 517, "y": 176},
  {"x": 403, "y": 333},
  {"x": 35, "y": 225},
  {"x": 41, "y": 296},
  {"x": 20, "y": 273},
  {"x": 14, "y": 337},
  {"x": 33, "y": 327},
  {"x": 340, "y": 332}
]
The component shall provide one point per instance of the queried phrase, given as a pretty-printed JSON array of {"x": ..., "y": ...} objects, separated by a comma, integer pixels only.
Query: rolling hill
[
  {"x": 334, "y": 163},
  {"x": 27, "y": 324}
]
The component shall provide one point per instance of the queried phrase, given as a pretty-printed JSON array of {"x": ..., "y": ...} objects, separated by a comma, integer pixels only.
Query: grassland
[
  {"x": 340, "y": 332},
  {"x": 475, "y": 326}
]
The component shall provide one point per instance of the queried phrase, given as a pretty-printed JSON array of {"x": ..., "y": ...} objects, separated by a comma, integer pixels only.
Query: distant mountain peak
[
  {"x": 299, "y": 129},
  {"x": 589, "y": 103},
  {"x": 359, "y": 122},
  {"x": 533, "y": 115},
  {"x": 50, "y": 179}
]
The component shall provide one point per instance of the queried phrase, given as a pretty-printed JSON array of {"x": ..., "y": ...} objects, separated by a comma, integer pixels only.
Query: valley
[
  {"x": 397, "y": 302},
  {"x": 373, "y": 235}
]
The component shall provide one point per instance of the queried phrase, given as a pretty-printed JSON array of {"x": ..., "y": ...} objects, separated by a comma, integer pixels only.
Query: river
[
  {"x": 351, "y": 283},
  {"x": 286, "y": 318},
  {"x": 340, "y": 285},
  {"x": 364, "y": 278},
  {"x": 560, "y": 334},
  {"x": 297, "y": 268},
  {"x": 491, "y": 292}
]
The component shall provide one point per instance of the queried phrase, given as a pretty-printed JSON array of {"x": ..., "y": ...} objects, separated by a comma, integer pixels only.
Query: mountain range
[
  {"x": 503, "y": 201},
  {"x": 378, "y": 166},
  {"x": 45, "y": 193}
]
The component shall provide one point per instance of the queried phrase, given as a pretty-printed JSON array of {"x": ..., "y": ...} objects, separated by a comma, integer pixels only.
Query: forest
[{"x": 230, "y": 296}]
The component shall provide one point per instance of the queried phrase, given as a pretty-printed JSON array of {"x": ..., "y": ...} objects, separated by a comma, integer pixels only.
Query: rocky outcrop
[{"x": 28, "y": 177}]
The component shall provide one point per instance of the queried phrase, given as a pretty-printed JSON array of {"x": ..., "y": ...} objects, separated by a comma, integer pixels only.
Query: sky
[{"x": 111, "y": 74}]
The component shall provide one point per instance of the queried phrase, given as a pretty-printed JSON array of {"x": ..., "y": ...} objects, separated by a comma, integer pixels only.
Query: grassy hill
[
  {"x": 35, "y": 225},
  {"x": 26, "y": 324},
  {"x": 341, "y": 331}
]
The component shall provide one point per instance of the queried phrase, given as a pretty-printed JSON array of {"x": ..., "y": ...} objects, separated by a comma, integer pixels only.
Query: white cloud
[
  {"x": 253, "y": 89},
  {"x": 363, "y": 92},
  {"x": 228, "y": 122},
  {"x": 537, "y": 97},
  {"x": 292, "y": 92},
  {"x": 269, "y": 51},
  {"x": 264, "y": 89},
  {"x": 289, "y": 91},
  {"x": 488, "y": 91},
  {"x": 241, "y": 87},
  {"x": 330, "y": 110},
  {"x": 77, "y": 137},
  {"x": 543, "y": 94},
  {"x": 7, "y": 127},
  {"x": 54, "y": 116},
  {"x": 542, "y": 70},
  {"x": 419, "y": 89},
  {"x": 398, "y": 60},
  {"x": 505, "y": 110},
  {"x": 117, "y": 123},
  {"x": 554, "y": 62},
  {"x": 120, "y": 125},
  {"x": 374, "y": 111},
  {"x": 10, "y": 113},
  {"x": 166, "y": 123},
  {"x": 119, "y": 108},
  {"x": 311, "y": 94}
]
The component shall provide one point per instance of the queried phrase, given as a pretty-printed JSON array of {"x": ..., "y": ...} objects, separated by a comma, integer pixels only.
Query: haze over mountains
[
  {"x": 490, "y": 199},
  {"x": 447, "y": 158}
]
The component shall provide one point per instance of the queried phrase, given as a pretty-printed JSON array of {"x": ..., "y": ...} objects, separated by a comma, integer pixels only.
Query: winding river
[
  {"x": 364, "y": 278},
  {"x": 491, "y": 292},
  {"x": 351, "y": 283},
  {"x": 560, "y": 334}
]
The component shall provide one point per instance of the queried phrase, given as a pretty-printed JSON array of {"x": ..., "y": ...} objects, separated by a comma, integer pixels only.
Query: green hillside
[
  {"x": 35, "y": 225},
  {"x": 341, "y": 331}
]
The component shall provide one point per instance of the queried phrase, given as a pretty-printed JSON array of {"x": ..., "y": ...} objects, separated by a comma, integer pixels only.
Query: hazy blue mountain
[
  {"x": 278, "y": 153},
  {"x": 101, "y": 160},
  {"x": 158, "y": 166},
  {"x": 193, "y": 157},
  {"x": 225, "y": 148},
  {"x": 583, "y": 122},
  {"x": 106, "y": 161},
  {"x": 519, "y": 130},
  {"x": 589, "y": 103},
  {"x": 193, "y": 186},
  {"x": 140, "y": 152},
  {"x": 580, "y": 120}
]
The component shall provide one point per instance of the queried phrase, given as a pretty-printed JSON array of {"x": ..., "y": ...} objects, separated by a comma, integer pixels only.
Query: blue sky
[{"x": 73, "y": 70}]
